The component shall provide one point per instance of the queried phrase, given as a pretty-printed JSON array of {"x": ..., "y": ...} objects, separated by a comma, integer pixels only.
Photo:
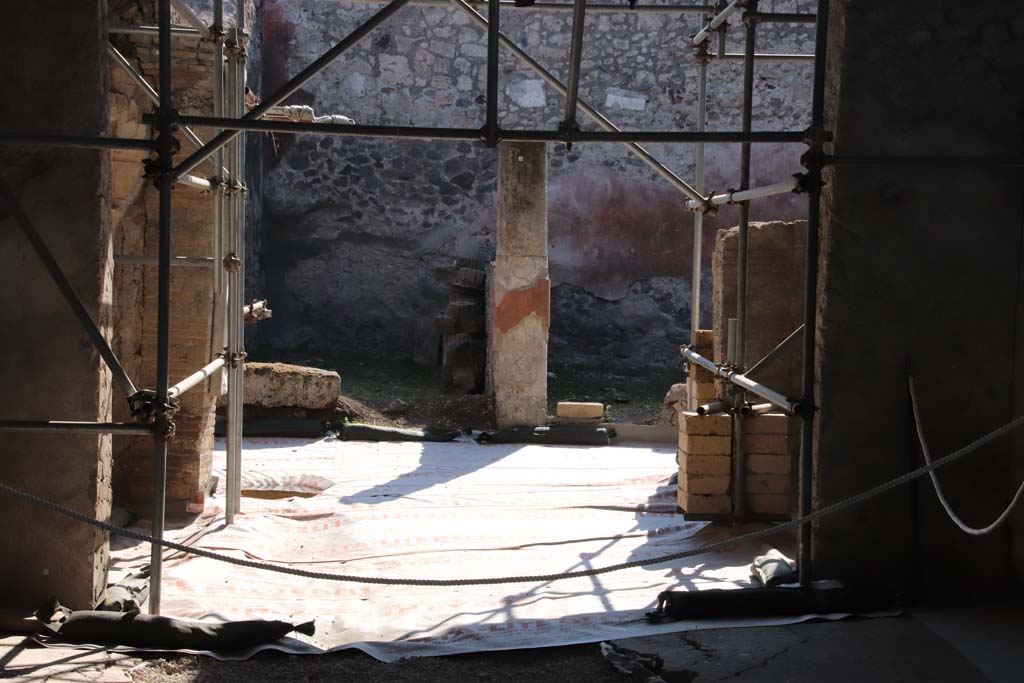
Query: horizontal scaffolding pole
[
  {"x": 191, "y": 17},
  {"x": 10, "y": 137},
  {"x": 737, "y": 196},
  {"x": 181, "y": 31},
  {"x": 741, "y": 381},
  {"x": 903, "y": 160},
  {"x": 196, "y": 378},
  {"x": 179, "y": 261},
  {"x": 782, "y": 17},
  {"x": 196, "y": 182},
  {"x": 428, "y": 133},
  {"x": 75, "y": 427},
  {"x": 617, "y": 8},
  {"x": 764, "y": 57}
]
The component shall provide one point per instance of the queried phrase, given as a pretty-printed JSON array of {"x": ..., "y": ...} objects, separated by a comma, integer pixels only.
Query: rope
[
  {"x": 537, "y": 578},
  {"x": 938, "y": 488}
]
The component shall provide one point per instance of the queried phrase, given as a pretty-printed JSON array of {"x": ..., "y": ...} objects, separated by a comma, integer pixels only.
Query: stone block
[
  {"x": 719, "y": 424},
  {"x": 769, "y": 423},
  {"x": 695, "y": 465},
  {"x": 703, "y": 340},
  {"x": 702, "y": 392},
  {"x": 699, "y": 444},
  {"x": 768, "y": 483},
  {"x": 697, "y": 504},
  {"x": 279, "y": 384},
  {"x": 717, "y": 485},
  {"x": 768, "y": 463},
  {"x": 768, "y": 504},
  {"x": 570, "y": 409},
  {"x": 765, "y": 443}
]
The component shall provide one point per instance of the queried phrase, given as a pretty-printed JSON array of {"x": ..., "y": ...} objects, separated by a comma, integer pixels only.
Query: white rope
[{"x": 938, "y": 488}]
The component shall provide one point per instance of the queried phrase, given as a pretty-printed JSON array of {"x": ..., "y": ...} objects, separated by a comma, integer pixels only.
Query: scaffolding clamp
[
  {"x": 568, "y": 131},
  {"x": 706, "y": 206},
  {"x": 703, "y": 55},
  {"x": 232, "y": 263},
  {"x": 144, "y": 408},
  {"x": 236, "y": 358}
]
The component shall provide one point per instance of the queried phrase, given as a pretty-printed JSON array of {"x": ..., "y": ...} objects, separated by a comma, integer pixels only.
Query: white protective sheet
[{"x": 444, "y": 511}]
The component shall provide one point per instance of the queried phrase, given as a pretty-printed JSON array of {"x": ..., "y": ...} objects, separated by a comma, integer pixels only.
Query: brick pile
[
  {"x": 700, "y": 385},
  {"x": 765, "y": 439},
  {"x": 705, "y": 463}
]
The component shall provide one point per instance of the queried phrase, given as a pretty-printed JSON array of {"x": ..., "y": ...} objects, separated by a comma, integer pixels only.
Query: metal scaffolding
[{"x": 154, "y": 410}]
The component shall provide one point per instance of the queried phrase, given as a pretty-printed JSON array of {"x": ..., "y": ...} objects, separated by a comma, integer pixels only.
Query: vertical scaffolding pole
[
  {"x": 165, "y": 141},
  {"x": 572, "y": 84},
  {"x": 218, "y": 156},
  {"x": 814, "y": 158},
  {"x": 234, "y": 301},
  {"x": 235, "y": 262},
  {"x": 491, "y": 125},
  {"x": 739, "y": 465},
  {"x": 698, "y": 216}
]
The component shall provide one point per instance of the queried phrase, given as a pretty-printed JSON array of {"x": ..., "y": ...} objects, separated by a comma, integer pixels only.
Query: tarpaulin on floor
[{"x": 447, "y": 510}]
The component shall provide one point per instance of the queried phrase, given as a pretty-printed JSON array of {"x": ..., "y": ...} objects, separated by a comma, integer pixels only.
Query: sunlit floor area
[{"x": 447, "y": 511}]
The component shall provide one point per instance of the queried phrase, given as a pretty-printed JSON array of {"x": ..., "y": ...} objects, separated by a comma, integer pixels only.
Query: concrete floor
[{"x": 964, "y": 645}]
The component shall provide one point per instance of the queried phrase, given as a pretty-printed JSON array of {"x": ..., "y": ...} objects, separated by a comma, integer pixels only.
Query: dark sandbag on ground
[
  {"x": 144, "y": 630},
  {"x": 554, "y": 435},
  {"x": 353, "y": 431}
]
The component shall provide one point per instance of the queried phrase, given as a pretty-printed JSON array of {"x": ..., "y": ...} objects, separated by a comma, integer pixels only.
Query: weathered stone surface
[
  {"x": 49, "y": 368},
  {"x": 697, "y": 504},
  {"x": 355, "y": 227},
  {"x": 272, "y": 385},
  {"x": 775, "y": 297}
]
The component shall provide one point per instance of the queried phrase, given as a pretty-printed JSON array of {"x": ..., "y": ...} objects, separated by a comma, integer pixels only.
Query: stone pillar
[
  {"x": 49, "y": 367},
  {"x": 520, "y": 291}
]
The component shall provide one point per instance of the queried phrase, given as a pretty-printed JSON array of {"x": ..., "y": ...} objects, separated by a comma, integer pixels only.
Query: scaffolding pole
[
  {"x": 698, "y": 216},
  {"x": 70, "y": 427},
  {"x": 739, "y": 463},
  {"x": 162, "y": 426},
  {"x": 814, "y": 157},
  {"x": 579, "y": 18},
  {"x": 613, "y": 135}
]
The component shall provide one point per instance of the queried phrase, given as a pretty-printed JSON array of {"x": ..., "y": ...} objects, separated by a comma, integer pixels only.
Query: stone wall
[
  {"x": 353, "y": 228},
  {"x": 920, "y": 262},
  {"x": 50, "y": 368}
]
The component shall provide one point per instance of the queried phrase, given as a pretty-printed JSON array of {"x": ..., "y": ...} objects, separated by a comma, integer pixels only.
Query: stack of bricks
[
  {"x": 700, "y": 384},
  {"x": 765, "y": 440},
  {"x": 705, "y": 463}
]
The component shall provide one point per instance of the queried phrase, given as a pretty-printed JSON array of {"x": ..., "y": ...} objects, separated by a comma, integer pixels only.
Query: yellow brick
[
  {"x": 770, "y": 423},
  {"x": 690, "y": 465},
  {"x": 768, "y": 483},
  {"x": 711, "y": 425},
  {"x": 717, "y": 485},
  {"x": 701, "y": 376},
  {"x": 703, "y": 392},
  {"x": 767, "y": 504},
  {"x": 579, "y": 410},
  {"x": 698, "y": 444},
  {"x": 768, "y": 463},
  {"x": 765, "y": 443},
  {"x": 696, "y": 504}
]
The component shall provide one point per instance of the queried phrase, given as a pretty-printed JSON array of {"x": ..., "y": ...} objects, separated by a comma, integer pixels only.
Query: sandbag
[
  {"x": 553, "y": 435},
  {"x": 765, "y": 602},
  {"x": 134, "y": 629}
]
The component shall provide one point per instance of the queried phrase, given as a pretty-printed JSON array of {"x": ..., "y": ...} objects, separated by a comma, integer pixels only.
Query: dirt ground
[{"x": 395, "y": 393}]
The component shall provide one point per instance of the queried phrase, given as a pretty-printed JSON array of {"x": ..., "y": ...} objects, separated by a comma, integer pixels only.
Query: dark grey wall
[
  {"x": 48, "y": 367},
  {"x": 921, "y": 262}
]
